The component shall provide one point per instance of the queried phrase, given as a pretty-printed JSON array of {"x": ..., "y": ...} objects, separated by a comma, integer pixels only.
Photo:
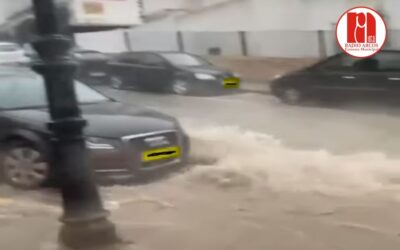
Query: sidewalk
[
  {"x": 261, "y": 69},
  {"x": 257, "y": 72}
]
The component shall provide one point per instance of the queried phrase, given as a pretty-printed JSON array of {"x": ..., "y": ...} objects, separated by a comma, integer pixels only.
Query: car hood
[
  {"x": 107, "y": 120},
  {"x": 206, "y": 69}
]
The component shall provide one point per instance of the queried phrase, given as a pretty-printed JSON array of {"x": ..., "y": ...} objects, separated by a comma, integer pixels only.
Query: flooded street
[
  {"x": 271, "y": 176},
  {"x": 263, "y": 175},
  {"x": 199, "y": 125}
]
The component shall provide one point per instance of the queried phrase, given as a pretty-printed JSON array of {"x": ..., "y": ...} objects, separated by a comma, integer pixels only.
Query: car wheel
[
  {"x": 24, "y": 167},
  {"x": 117, "y": 82},
  {"x": 180, "y": 87},
  {"x": 291, "y": 96}
]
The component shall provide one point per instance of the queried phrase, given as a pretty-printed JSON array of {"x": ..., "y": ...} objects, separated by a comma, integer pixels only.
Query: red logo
[
  {"x": 361, "y": 28},
  {"x": 361, "y": 32}
]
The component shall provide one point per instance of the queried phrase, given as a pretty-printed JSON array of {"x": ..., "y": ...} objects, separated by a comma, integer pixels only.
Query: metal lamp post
[{"x": 85, "y": 222}]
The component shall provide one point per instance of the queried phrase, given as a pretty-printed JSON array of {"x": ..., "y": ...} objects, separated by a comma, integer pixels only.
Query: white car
[{"x": 12, "y": 53}]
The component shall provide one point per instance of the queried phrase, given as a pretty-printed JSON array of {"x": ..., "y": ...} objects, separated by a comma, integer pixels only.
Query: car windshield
[
  {"x": 22, "y": 92},
  {"x": 181, "y": 59}
]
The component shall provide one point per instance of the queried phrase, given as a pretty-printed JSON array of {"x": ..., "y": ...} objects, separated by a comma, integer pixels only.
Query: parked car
[
  {"x": 123, "y": 140},
  {"x": 12, "y": 53},
  {"x": 93, "y": 66},
  {"x": 175, "y": 72},
  {"x": 342, "y": 76}
]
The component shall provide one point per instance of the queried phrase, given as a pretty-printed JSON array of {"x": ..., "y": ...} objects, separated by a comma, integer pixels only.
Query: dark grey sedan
[
  {"x": 122, "y": 140},
  {"x": 174, "y": 72},
  {"x": 343, "y": 77}
]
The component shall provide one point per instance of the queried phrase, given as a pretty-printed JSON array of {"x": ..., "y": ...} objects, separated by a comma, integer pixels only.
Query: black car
[
  {"x": 122, "y": 140},
  {"x": 342, "y": 76},
  {"x": 93, "y": 66},
  {"x": 175, "y": 72}
]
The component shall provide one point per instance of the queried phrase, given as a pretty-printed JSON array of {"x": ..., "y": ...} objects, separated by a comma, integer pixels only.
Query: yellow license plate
[
  {"x": 232, "y": 83},
  {"x": 161, "y": 154}
]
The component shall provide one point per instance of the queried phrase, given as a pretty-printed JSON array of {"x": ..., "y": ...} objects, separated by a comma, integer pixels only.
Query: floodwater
[
  {"x": 269, "y": 176},
  {"x": 263, "y": 175},
  {"x": 230, "y": 156}
]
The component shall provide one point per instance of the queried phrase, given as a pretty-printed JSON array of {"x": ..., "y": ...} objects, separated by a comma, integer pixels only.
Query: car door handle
[
  {"x": 349, "y": 77},
  {"x": 394, "y": 78}
]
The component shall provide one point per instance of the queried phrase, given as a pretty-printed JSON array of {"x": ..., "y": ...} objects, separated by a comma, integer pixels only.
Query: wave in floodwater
[{"x": 231, "y": 157}]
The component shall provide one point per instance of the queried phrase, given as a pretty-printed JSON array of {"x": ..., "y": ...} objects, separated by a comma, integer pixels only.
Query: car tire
[
  {"x": 23, "y": 166},
  {"x": 180, "y": 87},
  {"x": 291, "y": 96}
]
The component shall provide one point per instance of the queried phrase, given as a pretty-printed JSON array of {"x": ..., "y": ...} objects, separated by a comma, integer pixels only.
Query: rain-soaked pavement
[{"x": 265, "y": 176}]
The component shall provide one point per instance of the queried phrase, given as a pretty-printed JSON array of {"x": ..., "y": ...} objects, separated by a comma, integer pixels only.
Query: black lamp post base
[{"x": 93, "y": 234}]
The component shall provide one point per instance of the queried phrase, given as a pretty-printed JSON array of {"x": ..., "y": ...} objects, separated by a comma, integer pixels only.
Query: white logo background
[{"x": 364, "y": 50}]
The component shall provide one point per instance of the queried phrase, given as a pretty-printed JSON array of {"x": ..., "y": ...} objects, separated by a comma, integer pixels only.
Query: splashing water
[{"x": 231, "y": 157}]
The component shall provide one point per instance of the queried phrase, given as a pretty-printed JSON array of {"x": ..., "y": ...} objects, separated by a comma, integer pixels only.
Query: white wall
[
  {"x": 161, "y": 41},
  {"x": 283, "y": 43},
  {"x": 107, "y": 41},
  {"x": 331, "y": 43},
  {"x": 201, "y": 42},
  {"x": 277, "y": 28},
  {"x": 166, "y": 24},
  {"x": 274, "y": 15},
  {"x": 223, "y": 18},
  {"x": 228, "y": 17},
  {"x": 194, "y": 4},
  {"x": 151, "y": 6},
  {"x": 391, "y": 8}
]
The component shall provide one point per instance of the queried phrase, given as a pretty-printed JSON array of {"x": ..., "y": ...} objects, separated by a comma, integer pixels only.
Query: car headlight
[
  {"x": 202, "y": 76},
  {"x": 98, "y": 143}
]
